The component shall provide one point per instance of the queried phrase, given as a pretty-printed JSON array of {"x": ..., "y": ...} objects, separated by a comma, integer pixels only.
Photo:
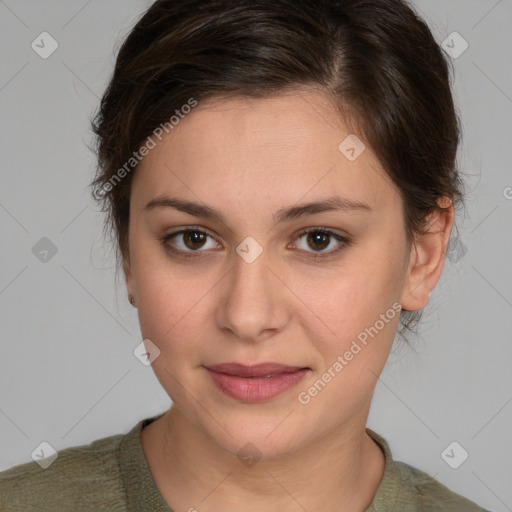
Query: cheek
[
  {"x": 365, "y": 286},
  {"x": 172, "y": 311},
  {"x": 360, "y": 306},
  {"x": 164, "y": 295},
  {"x": 166, "y": 313},
  {"x": 172, "y": 317}
]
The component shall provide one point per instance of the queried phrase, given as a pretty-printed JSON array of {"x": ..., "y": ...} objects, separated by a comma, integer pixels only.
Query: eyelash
[{"x": 343, "y": 241}]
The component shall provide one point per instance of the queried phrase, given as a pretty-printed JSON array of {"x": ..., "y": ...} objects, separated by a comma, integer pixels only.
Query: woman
[{"x": 280, "y": 179}]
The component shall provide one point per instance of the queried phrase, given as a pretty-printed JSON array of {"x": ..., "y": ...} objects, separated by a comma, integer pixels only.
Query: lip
[
  {"x": 256, "y": 383},
  {"x": 257, "y": 370}
]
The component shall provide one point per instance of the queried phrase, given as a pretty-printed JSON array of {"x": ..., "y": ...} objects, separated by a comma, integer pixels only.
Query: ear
[{"x": 427, "y": 257}]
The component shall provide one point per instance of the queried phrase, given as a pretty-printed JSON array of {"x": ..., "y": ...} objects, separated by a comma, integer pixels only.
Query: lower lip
[{"x": 256, "y": 389}]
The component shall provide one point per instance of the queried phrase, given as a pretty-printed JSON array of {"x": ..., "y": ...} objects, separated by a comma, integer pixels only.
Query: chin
[{"x": 263, "y": 440}]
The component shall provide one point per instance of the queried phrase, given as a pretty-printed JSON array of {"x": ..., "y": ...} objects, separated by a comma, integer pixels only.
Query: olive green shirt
[{"x": 112, "y": 474}]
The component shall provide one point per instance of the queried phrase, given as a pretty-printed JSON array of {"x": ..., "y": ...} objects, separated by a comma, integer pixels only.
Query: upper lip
[{"x": 257, "y": 370}]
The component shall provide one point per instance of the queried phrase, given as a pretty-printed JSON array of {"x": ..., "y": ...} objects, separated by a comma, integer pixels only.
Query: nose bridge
[{"x": 252, "y": 303}]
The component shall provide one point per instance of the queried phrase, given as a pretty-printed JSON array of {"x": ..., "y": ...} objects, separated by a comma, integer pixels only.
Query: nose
[{"x": 253, "y": 305}]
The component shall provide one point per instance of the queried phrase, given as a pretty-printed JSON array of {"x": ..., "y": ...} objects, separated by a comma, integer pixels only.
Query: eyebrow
[{"x": 333, "y": 203}]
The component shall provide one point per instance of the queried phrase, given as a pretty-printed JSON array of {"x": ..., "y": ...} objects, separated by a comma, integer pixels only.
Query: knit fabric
[{"x": 111, "y": 474}]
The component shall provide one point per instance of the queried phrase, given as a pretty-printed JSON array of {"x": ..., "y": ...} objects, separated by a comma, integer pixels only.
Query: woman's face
[{"x": 256, "y": 288}]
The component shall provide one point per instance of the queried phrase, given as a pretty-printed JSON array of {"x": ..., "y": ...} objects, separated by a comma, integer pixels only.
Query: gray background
[{"x": 67, "y": 371}]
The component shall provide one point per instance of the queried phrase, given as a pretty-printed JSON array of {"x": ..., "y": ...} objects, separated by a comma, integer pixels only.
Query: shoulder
[
  {"x": 409, "y": 489},
  {"x": 421, "y": 492},
  {"x": 84, "y": 477}
]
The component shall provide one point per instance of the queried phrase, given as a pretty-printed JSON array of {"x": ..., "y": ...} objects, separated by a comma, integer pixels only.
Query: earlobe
[
  {"x": 427, "y": 257},
  {"x": 128, "y": 278}
]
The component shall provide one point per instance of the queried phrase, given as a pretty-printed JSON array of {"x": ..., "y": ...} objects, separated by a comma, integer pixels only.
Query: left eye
[{"x": 318, "y": 240}]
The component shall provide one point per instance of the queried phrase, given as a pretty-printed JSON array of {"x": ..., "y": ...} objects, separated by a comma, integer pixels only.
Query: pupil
[
  {"x": 318, "y": 238},
  {"x": 194, "y": 239}
]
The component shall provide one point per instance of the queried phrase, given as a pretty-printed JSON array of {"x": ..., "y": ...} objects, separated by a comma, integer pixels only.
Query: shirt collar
[
  {"x": 140, "y": 488},
  {"x": 143, "y": 494}
]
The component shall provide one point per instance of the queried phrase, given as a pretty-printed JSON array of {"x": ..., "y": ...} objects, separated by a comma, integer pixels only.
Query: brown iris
[
  {"x": 317, "y": 240},
  {"x": 194, "y": 239}
]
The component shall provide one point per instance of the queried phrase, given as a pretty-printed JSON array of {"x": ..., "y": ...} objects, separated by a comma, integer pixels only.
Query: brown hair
[{"x": 375, "y": 58}]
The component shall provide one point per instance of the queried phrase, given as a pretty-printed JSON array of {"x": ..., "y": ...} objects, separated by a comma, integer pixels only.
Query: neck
[{"x": 340, "y": 471}]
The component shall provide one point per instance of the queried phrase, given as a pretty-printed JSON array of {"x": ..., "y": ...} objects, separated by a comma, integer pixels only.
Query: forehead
[{"x": 277, "y": 149}]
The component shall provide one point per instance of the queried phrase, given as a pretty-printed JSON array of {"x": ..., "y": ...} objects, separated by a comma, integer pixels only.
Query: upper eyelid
[
  {"x": 298, "y": 232},
  {"x": 191, "y": 228}
]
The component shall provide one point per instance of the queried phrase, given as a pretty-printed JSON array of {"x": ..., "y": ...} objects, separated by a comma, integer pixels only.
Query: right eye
[{"x": 189, "y": 241}]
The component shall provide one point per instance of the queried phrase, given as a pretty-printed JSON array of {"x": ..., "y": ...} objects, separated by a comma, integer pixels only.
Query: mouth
[{"x": 256, "y": 383}]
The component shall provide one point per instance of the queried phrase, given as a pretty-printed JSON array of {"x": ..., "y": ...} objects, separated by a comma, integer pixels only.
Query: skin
[{"x": 248, "y": 159}]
